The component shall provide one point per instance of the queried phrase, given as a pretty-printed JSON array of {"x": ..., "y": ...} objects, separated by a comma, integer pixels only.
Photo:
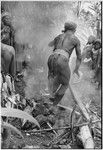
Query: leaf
[
  {"x": 11, "y": 127},
  {"x": 11, "y": 112},
  {"x": 6, "y": 139}
]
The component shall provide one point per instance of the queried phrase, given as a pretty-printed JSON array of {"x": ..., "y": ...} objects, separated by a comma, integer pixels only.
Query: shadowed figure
[
  {"x": 7, "y": 31},
  {"x": 93, "y": 53},
  {"x": 7, "y": 59},
  {"x": 7, "y": 51}
]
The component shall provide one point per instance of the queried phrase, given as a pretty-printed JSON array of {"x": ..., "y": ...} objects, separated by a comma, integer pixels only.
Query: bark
[{"x": 86, "y": 137}]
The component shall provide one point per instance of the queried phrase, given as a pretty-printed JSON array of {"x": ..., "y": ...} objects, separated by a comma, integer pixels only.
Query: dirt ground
[{"x": 88, "y": 93}]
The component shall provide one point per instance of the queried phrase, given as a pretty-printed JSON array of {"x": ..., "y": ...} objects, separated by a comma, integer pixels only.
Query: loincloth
[{"x": 62, "y": 52}]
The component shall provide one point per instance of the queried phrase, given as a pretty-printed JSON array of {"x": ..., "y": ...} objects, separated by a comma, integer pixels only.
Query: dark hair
[
  {"x": 97, "y": 44},
  {"x": 69, "y": 26},
  {"x": 91, "y": 39}
]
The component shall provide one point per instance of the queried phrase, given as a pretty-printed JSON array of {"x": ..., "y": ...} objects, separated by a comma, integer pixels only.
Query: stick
[
  {"x": 68, "y": 127},
  {"x": 58, "y": 89},
  {"x": 65, "y": 107},
  {"x": 51, "y": 128},
  {"x": 71, "y": 122},
  {"x": 68, "y": 108},
  {"x": 59, "y": 138}
]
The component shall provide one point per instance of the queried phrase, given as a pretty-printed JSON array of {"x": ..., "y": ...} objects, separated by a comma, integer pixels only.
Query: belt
[{"x": 62, "y": 52}]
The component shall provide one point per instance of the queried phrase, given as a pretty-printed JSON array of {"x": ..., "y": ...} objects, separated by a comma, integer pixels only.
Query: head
[
  {"x": 91, "y": 39},
  {"x": 6, "y": 18},
  {"x": 97, "y": 44},
  {"x": 70, "y": 26}
]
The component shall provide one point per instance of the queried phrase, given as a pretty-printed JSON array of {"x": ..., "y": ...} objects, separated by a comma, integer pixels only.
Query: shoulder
[
  {"x": 8, "y": 48},
  {"x": 58, "y": 37},
  {"x": 75, "y": 40}
]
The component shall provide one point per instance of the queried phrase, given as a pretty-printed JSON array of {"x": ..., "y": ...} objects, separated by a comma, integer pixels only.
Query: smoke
[{"x": 36, "y": 24}]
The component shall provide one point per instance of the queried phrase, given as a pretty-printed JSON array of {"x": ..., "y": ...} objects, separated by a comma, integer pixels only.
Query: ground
[{"x": 87, "y": 91}]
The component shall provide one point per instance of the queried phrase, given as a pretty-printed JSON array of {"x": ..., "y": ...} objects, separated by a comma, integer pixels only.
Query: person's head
[
  {"x": 97, "y": 44},
  {"x": 6, "y": 18},
  {"x": 69, "y": 26},
  {"x": 91, "y": 39}
]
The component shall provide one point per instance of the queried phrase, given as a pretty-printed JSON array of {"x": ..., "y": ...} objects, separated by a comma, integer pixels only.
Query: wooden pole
[{"x": 77, "y": 100}]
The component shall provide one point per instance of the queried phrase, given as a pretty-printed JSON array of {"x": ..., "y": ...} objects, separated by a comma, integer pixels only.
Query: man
[
  {"x": 97, "y": 62},
  {"x": 7, "y": 39},
  {"x": 94, "y": 53},
  {"x": 93, "y": 50},
  {"x": 59, "y": 71},
  {"x": 87, "y": 51}
]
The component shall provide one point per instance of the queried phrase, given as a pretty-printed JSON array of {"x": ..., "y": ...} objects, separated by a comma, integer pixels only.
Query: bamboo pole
[{"x": 77, "y": 100}]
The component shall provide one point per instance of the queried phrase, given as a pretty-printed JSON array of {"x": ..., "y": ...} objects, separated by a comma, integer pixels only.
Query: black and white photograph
[{"x": 51, "y": 74}]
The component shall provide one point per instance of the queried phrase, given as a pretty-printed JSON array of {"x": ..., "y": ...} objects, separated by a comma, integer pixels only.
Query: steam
[{"x": 36, "y": 24}]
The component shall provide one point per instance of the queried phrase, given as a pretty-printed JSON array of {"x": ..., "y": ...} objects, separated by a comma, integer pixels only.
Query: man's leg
[
  {"x": 53, "y": 82},
  {"x": 63, "y": 78}
]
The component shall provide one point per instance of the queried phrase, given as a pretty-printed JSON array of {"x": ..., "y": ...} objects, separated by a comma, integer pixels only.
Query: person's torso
[
  {"x": 7, "y": 53},
  {"x": 95, "y": 54},
  {"x": 66, "y": 42},
  {"x": 88, "y": 51},
  {"x": 5, "y": 61}
]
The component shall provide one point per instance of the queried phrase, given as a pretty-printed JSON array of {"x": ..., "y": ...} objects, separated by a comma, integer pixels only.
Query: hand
[{"x": 76, "y": 71}]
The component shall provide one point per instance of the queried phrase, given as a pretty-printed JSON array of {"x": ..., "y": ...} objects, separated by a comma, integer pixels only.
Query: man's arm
[
  {"x": 54, "y": 42},
  {"x": 98, "y": 61},
  {"x": 78, "y": 60},
  {"x": 12, "y": 63}
]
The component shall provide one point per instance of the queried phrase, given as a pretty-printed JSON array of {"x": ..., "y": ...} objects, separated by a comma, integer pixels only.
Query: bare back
[{"x": 68, "y": 42}]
